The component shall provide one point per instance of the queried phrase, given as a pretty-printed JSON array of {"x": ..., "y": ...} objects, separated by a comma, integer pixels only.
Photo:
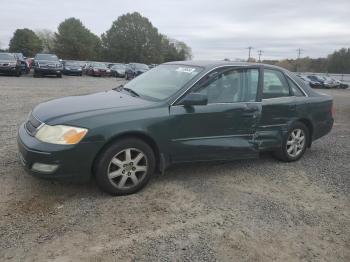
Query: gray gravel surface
[{"x": 256, "y": 210}]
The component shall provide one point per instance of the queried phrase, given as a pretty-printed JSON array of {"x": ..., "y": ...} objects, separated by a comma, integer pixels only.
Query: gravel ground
[{"x": 256, "y": 210}]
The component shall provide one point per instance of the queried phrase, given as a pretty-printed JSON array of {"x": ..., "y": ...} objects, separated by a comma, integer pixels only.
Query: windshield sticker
[{"x": 188, "y": 70}]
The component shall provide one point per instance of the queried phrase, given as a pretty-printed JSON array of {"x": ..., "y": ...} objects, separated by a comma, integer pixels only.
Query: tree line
[
  {"x": 131, "y": 38},
  {"x": 338, "y": 62}
]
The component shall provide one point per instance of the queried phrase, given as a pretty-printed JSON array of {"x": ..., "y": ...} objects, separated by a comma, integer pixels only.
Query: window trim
[
  {"x": 228, "y": 68},
  {"x": 300, "y": 88}
]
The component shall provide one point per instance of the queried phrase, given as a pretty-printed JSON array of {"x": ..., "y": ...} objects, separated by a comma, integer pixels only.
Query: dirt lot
[{"x": 259, "y": 210}]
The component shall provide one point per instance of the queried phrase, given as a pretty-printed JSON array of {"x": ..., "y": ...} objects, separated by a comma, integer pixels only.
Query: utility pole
[
  {"x": 259, "y": 54},
  {"x": 299, "y": 51},
  {"x": 250, "y": 49}
]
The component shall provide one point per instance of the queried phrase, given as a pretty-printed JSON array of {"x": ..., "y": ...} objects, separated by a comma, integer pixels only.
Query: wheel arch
[
  {"x": 132, "y": 134},
  {"x": 309, "y": 125}
]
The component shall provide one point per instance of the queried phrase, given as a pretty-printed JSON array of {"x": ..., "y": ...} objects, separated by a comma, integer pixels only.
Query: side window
[
  {"x": 275, "y": 84},
  {"x": 295, "y": 89},
  {"x": 237, "y": 85}
]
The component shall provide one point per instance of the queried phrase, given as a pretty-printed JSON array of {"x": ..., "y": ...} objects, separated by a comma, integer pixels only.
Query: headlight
[
  {"x": 63, "y": 135},
  {"x": 68, "y": 68},
  {"x": 12, "y": 64},
  {"x": 108, "y": 71}
]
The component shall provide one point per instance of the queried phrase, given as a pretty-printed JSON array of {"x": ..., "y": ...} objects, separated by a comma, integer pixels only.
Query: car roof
[{"x": 207, "y": 64}]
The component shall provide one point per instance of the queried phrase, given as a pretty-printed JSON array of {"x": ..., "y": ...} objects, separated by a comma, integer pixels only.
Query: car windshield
[
  {"x": 118, "y": 67},
  {"x": 101, "y": 65},
  {"x": 71, "y": 64},
  {"x": 20, "y": 56},
  {"x": 5, "y": 56},
  {"x": 141, "y": 66},
  {"x": 163, "y": 81},
  {"x": 46, "y": 57}
]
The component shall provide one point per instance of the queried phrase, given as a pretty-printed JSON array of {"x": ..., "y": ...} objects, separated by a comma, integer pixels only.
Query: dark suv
[
  {"x": 9, "y": 64},
  {"x": 47, "y": 64}
]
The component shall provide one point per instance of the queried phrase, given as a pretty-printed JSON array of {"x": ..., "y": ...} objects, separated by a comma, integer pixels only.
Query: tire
[
  {"x": 59, "y": 76},
  {"x": 121, "y": 177},
  {"x": 18, "y": 73},
  {"x": 292, "y": 149}
]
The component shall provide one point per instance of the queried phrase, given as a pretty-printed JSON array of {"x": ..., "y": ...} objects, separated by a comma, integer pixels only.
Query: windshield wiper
[
  {"x": 121, "y": 87},
  {"x": 130, "y": 91},
  {"x": 118, "y": 88}
]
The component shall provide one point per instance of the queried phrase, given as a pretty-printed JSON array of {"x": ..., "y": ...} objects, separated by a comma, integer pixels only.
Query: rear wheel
[
  {"x": 294, "y": 144},
  {"x": 125, "y": 167}
]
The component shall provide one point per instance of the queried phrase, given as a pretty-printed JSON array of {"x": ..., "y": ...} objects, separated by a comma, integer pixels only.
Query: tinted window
[
  {"x": 295, "y": 89},
  {"x": 275, "y": 84},
  {"x": 236, "y": 85}
]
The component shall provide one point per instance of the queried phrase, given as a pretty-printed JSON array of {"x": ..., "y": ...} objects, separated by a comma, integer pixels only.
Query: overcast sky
[{"x": 213, "y": 29}]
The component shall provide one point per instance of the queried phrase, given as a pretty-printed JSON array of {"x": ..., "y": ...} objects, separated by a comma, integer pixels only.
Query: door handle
[{"x": 251, "y": 114}]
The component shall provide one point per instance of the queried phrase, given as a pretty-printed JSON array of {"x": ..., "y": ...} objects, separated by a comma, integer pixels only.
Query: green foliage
[
  {"x": 25, "y": 41},
  {"x": 339, "y": 61},
  {"x": 47, "y": 38},
  {"x": 75, "y": 41},
  {"x": 133, "y": 38}
]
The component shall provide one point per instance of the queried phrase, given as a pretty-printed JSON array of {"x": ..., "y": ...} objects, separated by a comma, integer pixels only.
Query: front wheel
[
  {"x": 125, "y": 167},
  {"x": 294, "y": 144}
]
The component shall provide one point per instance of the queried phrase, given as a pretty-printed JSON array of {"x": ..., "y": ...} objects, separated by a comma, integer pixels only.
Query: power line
[
  {"x": 259, "y": 54},
  {"x": 250, "y": 49},
  {"x": 299, "y": 52}
]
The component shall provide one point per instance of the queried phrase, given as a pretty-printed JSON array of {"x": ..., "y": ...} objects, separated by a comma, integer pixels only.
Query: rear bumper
[
  {"x": 323, "y": 128},
  {"x": 73, "y": 162}
]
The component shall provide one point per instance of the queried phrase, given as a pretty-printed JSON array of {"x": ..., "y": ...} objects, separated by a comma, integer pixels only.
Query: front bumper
[
  {"x": 47, "y": 71},
  {"x": 100, "y": 73},
  {"x": 72, "y": 72},
  {"x": 74, "y": 162},
  {"x": 8, "y": 70}
]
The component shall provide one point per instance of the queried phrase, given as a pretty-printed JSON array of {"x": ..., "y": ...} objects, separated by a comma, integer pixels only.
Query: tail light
[{"x": 333, "y": 110}]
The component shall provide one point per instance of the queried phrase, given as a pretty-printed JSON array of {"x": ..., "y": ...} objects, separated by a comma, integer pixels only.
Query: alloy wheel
[
  {"x": 295, "y": 143},
  {"x": 127, "y": 168}
]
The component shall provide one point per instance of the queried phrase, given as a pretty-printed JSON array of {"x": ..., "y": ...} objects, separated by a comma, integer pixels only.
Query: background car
[
  {"x": 118, "y": 70},
  {"x": 134, "y": 69},
  {"x": 311, "y": 83},
  {"x": 317, "y": 79},
  {"x": 341, "y": 84},
  {"x": 72, "y": 68},
  {"x": 24, "y": 64},
  {"x": 329, "y": 82},
  {"x": 98, "y": 69},
  {"x": 9, "y": 64},
  {"x": 47, "y": 64}
]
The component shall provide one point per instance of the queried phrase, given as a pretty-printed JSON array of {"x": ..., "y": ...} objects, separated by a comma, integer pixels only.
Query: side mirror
[{"x": 195, "y": 99}]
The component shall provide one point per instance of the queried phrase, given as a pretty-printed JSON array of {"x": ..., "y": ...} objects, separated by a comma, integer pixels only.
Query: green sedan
[{"x": 177, "y": 112}]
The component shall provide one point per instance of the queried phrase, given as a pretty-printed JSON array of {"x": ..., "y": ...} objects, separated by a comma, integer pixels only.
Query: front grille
[{"x": 32, "y": 124}]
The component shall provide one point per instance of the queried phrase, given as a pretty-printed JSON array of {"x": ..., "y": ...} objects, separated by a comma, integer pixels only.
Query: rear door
[{"x": 278, "y": 108}]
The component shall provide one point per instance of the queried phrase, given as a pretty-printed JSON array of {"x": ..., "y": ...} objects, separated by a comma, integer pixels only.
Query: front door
[{"x": 225, "y": 127}]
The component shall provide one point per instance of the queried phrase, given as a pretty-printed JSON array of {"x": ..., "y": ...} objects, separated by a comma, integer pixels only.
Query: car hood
[
  {"x": 7, "y": 61},
  {"x": 47, "y": 62},
  {"x": 77, "y": 106}
]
